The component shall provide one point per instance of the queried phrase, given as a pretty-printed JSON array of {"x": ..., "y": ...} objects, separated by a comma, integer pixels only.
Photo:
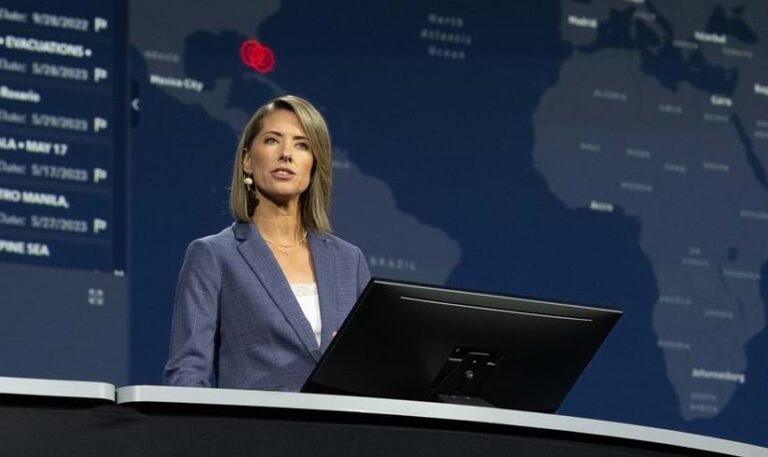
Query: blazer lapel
[
  {"x": 258, "y": 256},
  {"x": 324, "y": 260}
]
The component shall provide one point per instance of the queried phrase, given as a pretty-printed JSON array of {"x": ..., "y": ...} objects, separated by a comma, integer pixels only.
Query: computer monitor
[{"x": 420, "y": 342}]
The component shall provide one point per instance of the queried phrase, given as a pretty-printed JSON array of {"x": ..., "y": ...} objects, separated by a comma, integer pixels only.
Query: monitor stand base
[{"x": 462, "y": 400}]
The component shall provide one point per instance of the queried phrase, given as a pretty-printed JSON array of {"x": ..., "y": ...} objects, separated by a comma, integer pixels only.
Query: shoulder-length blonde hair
[{"x": 315, "y": 202}]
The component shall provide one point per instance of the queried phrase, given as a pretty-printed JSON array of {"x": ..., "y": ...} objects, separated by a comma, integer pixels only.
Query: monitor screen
[{"x": 420, "y": 342}]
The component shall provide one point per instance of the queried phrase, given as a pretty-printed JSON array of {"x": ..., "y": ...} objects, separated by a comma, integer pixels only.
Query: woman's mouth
[{"x": 283, "y": 173}]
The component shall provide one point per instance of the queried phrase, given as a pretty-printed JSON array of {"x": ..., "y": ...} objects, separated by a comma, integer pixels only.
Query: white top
[{"x": 306, "y": 295}]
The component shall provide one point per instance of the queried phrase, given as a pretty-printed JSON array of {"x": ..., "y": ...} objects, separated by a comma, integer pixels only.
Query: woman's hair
[{"x": 314, "y": 202}]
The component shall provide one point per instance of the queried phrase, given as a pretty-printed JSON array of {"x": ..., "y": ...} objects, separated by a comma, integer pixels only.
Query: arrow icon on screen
[{"x": 135, "y": 104}]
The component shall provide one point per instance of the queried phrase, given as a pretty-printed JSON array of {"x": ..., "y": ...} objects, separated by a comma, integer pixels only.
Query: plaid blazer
[{"x": 237, "y": 324}]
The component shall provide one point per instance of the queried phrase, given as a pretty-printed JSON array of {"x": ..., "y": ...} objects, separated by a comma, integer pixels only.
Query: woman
[{"x": 257, "y": 303}]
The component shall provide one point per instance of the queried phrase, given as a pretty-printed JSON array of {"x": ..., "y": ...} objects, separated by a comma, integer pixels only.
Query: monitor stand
[
  {"x": 461, "y": 378},
  {"x": 466, "y": 401}
]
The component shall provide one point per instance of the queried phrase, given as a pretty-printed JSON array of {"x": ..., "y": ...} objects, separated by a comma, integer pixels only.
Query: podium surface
[
  {"x": 57, "y": 388},
  {"x": 561, "y": 427},
  {"x": 46, "y": 417}
]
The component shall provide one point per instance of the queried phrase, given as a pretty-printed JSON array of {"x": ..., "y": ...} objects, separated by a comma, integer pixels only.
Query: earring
[
  {"x": 252, "y": 198},
  {"x": 248, "y": 181}
]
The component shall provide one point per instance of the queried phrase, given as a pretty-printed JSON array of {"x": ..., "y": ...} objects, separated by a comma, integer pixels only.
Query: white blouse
[{"x": 306, "y": 295}]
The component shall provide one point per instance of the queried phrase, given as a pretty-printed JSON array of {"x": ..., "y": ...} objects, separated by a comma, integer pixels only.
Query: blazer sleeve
[
  {"x": 363, "y": 273},
  {"x": 195, "y": 318}
]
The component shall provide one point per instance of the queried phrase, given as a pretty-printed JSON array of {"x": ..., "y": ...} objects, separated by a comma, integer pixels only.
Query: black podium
[{"x": 66, "y": 418}]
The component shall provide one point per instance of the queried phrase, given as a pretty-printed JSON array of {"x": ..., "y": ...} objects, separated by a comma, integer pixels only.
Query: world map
[{"x": 604, "y": 152}]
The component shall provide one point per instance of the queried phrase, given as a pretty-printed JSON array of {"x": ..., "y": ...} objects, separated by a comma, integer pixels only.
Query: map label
[
  {"x": 601, "y": 206},
  {"x": 582, "y": 21},
  {"x": 710, "y": 37},
  {"x": 675, "y": 168},
  {"x": 178, "y": 83},
  {"x": 719, "y": 375},
  {"x": 719, "y": 100}
]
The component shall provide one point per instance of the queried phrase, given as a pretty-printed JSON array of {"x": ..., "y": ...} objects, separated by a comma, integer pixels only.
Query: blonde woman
[{"x": 257, "y": 303}]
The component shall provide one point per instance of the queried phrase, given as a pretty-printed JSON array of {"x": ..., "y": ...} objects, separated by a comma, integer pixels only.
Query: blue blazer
[{"x": 237, "y": 321}]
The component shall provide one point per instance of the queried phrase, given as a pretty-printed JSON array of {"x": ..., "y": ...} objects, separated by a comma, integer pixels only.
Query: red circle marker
[{"x": 257, "y": 56}]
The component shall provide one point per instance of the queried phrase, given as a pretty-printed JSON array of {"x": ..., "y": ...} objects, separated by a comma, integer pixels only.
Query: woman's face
[{"x": 280, "y": 158}]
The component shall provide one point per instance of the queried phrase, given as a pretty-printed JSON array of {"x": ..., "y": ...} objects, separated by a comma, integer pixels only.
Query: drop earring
[{"x": 252, "y": 197}]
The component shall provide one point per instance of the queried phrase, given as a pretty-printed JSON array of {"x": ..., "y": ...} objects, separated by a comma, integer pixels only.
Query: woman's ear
[{"x": 247, "y": 162}]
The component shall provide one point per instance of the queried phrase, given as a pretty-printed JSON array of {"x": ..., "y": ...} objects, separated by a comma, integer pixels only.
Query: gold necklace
[{"x": 287, "y": 246}]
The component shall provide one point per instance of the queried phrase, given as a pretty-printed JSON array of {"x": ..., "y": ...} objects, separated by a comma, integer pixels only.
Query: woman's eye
[
  {"x": 270, "y": 140},
  {"x": 303, "y": 146}
]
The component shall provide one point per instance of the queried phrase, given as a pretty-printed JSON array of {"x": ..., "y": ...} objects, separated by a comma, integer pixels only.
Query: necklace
[{"x": 285, "y": 247}]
